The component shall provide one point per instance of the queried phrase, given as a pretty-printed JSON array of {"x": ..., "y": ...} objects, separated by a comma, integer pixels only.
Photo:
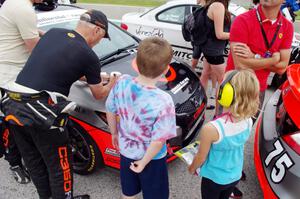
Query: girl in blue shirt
[{"x": 221, "y": 152}]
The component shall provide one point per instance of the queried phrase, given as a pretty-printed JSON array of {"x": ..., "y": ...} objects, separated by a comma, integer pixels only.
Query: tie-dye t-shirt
[{"x": 145, "y": 114}]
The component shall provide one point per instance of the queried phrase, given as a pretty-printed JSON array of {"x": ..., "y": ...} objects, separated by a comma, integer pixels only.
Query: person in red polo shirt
[{"x": 261, "y": 39}]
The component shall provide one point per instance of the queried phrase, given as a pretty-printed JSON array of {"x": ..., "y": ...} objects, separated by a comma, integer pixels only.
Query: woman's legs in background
[
  {"x": 218, "y": 72},
  {"x": 194, "y": 63},
  {"x": 205, "y": 74},
  {"x": 214, "y": 86},
  {"x": 217, "y": 67}
]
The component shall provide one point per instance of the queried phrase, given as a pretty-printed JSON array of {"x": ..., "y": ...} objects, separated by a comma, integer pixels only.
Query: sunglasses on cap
[{"x": 88, "y": 18}]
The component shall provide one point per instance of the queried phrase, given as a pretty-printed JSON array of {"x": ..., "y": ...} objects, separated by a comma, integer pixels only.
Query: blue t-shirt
[{"x": 145, "y": 114}]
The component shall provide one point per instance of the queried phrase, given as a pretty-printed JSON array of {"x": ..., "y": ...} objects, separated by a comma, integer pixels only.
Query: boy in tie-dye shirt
[{"x": 141, "y": 118}]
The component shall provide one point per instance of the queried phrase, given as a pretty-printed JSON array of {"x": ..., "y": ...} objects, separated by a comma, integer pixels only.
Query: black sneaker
[
  {"x": 20, "y": 174},
  {"x": 236, "y": 194},
  {"x": 210, "y": 107},
  {"x": 244, "y": 177},
  {"x": 85, "y": 196}
]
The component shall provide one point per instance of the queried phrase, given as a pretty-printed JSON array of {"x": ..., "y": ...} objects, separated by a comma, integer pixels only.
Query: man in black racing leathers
[{"x": 34, "y": 103}]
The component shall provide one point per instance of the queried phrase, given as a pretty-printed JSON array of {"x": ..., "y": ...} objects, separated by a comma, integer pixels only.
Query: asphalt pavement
[{"x": 104, "y": 183}]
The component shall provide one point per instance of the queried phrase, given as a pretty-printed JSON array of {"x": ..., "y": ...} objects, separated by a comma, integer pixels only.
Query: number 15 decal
[{"x": 283, "y": 163}]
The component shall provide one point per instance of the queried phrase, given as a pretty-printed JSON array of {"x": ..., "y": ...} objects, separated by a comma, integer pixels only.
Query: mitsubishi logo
[{"x": 195, "y": 102}]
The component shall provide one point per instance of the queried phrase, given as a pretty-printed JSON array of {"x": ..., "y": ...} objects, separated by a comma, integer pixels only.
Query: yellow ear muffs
[
  {"x": 226, "y": 91},
  {"x": 226, "y": 96}
]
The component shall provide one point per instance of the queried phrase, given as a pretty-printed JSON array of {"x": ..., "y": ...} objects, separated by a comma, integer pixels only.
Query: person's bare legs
[
  {"x": 214, "y": 85},
  {"x": 209, "y": 88},
  {"x": 211, "y": 91},
  {"x": 218, "y": 72},
  {"x": 194, "y": 63},
  {"x": 128, "y": 197},
  {"x": 205, "y": 74}
]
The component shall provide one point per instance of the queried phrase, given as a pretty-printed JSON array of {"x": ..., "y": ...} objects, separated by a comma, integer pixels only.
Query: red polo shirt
[{"x": 246, "y": 29}]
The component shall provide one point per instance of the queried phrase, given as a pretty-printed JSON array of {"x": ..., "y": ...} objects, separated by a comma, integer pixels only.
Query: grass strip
[
  {"x": 145, "y": 3},
  {"x": 298, "y": 15}
]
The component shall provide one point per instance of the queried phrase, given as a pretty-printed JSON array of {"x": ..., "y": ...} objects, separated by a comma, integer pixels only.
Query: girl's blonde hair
[{"x": 246, "y": 90}]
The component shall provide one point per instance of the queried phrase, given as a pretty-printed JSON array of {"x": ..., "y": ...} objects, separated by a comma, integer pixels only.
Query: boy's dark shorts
[
  {"x": 152, "y": 181},
  {"x": 215, "y": 60}
]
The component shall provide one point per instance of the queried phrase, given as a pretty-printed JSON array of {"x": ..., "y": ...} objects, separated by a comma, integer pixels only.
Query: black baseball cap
[{"x": 97, "y": 18}]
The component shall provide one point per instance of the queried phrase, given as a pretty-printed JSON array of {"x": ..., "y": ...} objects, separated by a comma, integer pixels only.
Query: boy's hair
[
  {"x": 153, "y": 56},
  {"x": 246, "y": 90}
]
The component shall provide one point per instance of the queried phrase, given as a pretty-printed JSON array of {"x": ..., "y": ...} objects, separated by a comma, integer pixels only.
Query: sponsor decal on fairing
[
  {"x": 112, "y": 152},
  {"x": 179, "y": 86}
]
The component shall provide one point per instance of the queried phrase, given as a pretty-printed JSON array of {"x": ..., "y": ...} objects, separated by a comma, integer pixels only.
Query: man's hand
[
  {"x": 280, "y": 67},
  {"x": 276, "y": 57},
  {"x": 242, "y": 50},
  {"x": 100, "y": 91},
  {"x": 115, "y": 141},
  {"x": 137, "y": 166},
  {"x": 113, "y": 79},
  {"x": 104, "y": 77}
]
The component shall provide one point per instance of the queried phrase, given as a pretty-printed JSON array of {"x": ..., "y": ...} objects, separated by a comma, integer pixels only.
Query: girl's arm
[
  {"x": 112, "y": 123},
  {"x": 217, "y": 14},
  {"x": 208, "y": 135}
]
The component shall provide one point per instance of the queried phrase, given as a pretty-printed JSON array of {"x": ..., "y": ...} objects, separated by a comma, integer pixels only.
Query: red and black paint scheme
[{"x": 277, "y": 140}]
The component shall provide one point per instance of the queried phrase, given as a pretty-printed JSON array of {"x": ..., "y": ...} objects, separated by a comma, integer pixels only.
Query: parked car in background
[
  {"x": 277, "y": 141},
  {"x": 166, "y": 20},
  {"x": 89, "y": 132}
]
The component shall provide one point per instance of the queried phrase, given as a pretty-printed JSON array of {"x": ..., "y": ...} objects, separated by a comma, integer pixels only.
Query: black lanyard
[{"x": 268, "y": 45}]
